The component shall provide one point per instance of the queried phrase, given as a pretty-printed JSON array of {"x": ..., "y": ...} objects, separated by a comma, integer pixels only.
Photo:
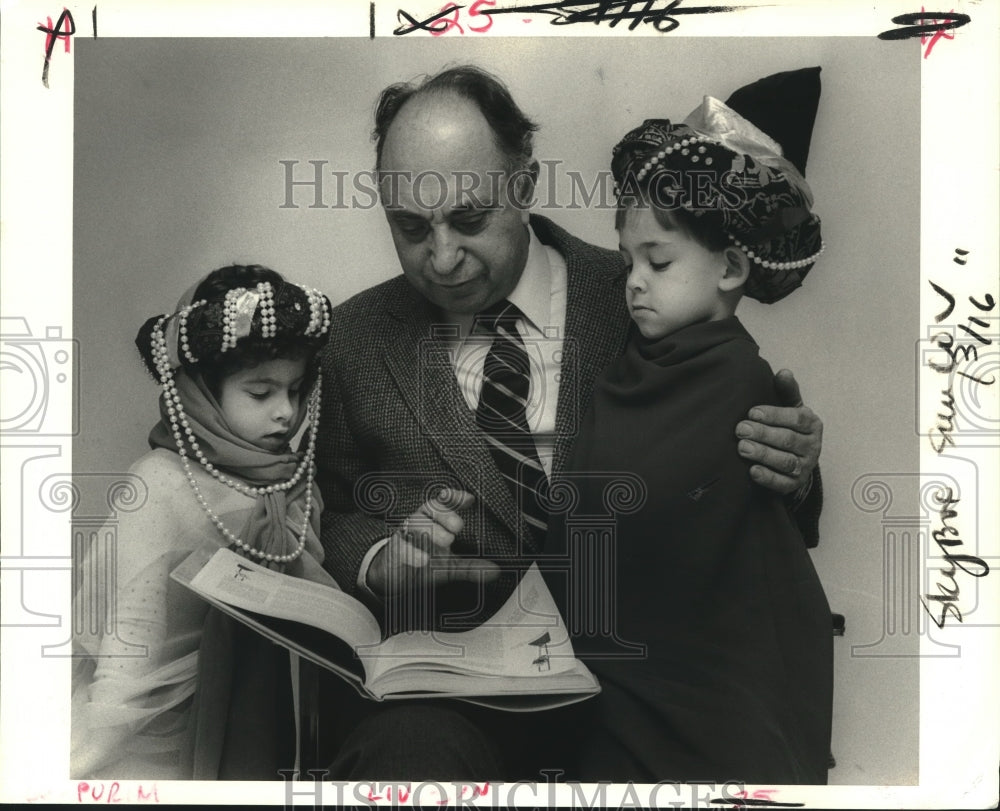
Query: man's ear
[{"x": 736, "y": 271}]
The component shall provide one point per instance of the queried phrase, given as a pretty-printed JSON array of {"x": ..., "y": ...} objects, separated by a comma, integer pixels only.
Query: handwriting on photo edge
[
  {"x": 64, "y": 29},
  {"x": 930, "y": 26},
  {"x": 758, "y": 798},
  {"x": 953, "y": 358},
  {"x": 947, "y": 537},
  {"x": 661, "y": 14},
  {"x": 957, "y": 357},
  {"x": 114, "y": 793}
]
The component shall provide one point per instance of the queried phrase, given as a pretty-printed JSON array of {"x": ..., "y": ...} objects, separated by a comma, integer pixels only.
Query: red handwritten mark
[
  {"x": 66, "y": 22},
  {"x": 94, "y": 793},
  {"x": 758, "y": 794},
  {"x": 916, "y": 25},
  {"x": 402, "y": 793},
  {"x": 108, "y": 793},
  {"x": 142, "y": 796},
  {"x": 449, "y": 22},
  {"x": 64, "y": 30},
  {"x": 939, "y": 34},
  {"x": 475, "y": 12}
]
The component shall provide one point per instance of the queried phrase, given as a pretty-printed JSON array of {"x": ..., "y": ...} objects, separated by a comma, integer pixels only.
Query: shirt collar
[{"x": 533, "y": 294}]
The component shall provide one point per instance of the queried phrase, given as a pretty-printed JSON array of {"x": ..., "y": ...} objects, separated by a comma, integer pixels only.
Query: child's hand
[
  {"x": 419, "y": 552},
  {"x": 783, "y": 442}
]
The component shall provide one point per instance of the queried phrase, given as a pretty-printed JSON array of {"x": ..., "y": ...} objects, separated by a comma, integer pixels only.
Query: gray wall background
[{"x": 177, "y": 150}]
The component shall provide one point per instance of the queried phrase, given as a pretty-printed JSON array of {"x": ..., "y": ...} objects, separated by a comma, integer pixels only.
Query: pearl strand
[
  {"x": 683, "y": 147},
  {"x": 319, "y": 313},
  {"x": 268, "y": 322},
  {"x": 771, "y": 265},
  {"x": 182, "y": 336},
  {"x": 229, "y": 317},
  {"x": 175, "y": 412}
]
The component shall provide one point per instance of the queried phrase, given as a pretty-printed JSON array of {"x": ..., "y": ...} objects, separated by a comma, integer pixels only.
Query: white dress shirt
[{"x": 541, "y": 295}]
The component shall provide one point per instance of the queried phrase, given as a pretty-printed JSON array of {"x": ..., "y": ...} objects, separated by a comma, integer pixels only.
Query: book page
[
  {"x": 247, "y": 585},
  {"x": 509, "y": 693},
  {"x": 526, "y": 637}
]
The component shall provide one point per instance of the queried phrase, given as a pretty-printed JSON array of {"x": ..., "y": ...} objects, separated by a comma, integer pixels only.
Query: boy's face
[
  {"x": 261, "y": 403},
  {"x": 673, "y": 281}
]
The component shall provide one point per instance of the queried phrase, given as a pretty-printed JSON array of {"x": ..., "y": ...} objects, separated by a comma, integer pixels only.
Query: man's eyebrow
[
  {"x": 455, "y": 211},
  {"x": 475, "y": 205},
  {"x": 403, "y": 214}
]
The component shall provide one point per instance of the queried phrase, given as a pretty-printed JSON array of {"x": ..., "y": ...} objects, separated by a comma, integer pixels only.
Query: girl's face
[
  {"x": 261, "y": 403},
  {"x": 673, "y": 281}
]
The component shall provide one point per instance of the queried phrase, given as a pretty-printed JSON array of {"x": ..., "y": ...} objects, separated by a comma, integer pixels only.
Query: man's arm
[
  {"x": 368, "y": 556},
  {"x": 784, "y": 442},
  {"x": 346, "y": 532}
]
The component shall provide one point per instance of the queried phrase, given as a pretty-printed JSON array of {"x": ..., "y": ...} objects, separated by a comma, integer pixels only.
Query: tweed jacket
[{"x": 395, "y": 426}]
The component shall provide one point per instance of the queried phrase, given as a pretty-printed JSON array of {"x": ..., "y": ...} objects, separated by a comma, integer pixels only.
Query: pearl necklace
[{"x": 178, "y": 419}]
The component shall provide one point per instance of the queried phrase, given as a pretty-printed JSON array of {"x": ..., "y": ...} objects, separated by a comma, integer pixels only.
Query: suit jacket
[{"x": 395, "y": 425}]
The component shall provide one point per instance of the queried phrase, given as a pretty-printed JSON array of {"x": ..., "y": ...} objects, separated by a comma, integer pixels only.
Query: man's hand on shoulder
[
  {"x": 782, "y": 442},
  {"x": 419, "y": 553}
]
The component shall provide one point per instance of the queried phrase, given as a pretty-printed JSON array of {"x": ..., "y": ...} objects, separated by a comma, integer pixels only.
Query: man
[{"x": 424, "y": 516}]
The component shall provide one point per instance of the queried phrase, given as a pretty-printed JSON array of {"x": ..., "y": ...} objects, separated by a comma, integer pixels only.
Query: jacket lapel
[
  {"x": 418, "y": 361},
  {"x": 596, "y": 327}
]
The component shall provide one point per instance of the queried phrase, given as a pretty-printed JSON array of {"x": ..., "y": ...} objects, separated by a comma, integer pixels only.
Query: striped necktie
[{"x": 502, "y": 416}]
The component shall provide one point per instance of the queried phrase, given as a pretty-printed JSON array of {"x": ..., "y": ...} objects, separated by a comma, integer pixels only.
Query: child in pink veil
[{"x": 167, "y": 688}]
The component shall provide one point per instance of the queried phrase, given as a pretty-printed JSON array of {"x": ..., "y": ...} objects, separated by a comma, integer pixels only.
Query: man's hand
[
  {"x": 784, "y": 441},
  {"x": 419, "y": 552}
]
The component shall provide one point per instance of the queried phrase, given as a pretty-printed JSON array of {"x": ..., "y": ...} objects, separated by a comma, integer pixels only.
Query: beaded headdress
[
  {"x": 206, "y": 330},
  {"x": 719, "y": 165}
]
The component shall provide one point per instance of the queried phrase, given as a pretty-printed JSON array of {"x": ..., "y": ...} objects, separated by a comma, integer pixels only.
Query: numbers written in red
[{"x": 475, "y": 20}]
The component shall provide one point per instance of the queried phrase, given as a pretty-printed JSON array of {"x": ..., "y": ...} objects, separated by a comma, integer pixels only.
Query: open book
[{"x": 520, "y": 659}]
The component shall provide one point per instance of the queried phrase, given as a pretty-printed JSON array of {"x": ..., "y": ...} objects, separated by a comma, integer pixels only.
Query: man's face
[{"x": 461, "y": 240}]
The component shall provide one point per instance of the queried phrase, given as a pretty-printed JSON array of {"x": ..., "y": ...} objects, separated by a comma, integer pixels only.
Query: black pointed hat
[
  {"x": 784, "y": 106},
  {"x": 748, "y": 156}
]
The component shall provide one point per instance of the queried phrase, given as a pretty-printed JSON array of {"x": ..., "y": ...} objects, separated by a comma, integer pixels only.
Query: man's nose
[{"x": 447, "y": 252}]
